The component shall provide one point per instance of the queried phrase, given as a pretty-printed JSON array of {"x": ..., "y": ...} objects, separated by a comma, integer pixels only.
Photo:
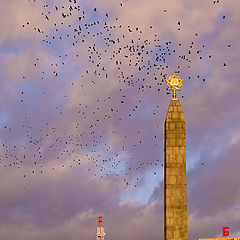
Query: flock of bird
[{"x": 107, "y": 53}]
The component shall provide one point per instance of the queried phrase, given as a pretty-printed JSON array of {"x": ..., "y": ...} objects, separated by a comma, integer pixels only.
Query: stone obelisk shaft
[{"x": 175, "y": 185}]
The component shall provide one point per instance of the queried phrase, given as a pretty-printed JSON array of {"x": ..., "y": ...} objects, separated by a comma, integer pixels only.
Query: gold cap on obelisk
[{"x": 174, "y": 83}]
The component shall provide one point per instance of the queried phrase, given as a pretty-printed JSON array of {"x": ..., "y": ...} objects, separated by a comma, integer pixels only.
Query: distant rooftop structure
[{"x": 100, "y": 229}]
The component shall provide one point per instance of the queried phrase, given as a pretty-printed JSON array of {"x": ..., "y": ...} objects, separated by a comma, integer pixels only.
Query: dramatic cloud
[{"x": 83, "y": 105}]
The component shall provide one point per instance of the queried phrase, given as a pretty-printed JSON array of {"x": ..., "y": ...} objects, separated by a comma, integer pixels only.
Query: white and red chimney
[{"x": 100, "y": 229}]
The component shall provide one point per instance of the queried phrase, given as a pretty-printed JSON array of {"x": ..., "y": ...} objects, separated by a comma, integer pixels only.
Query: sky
[{"x": 83, "y": 100}]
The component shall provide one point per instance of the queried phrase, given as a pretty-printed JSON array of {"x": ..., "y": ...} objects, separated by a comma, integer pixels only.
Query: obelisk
[{"x": 175, "y": 184}]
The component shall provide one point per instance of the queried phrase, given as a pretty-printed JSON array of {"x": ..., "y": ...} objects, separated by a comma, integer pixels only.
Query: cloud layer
[{"x": 82, "y": 116}]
